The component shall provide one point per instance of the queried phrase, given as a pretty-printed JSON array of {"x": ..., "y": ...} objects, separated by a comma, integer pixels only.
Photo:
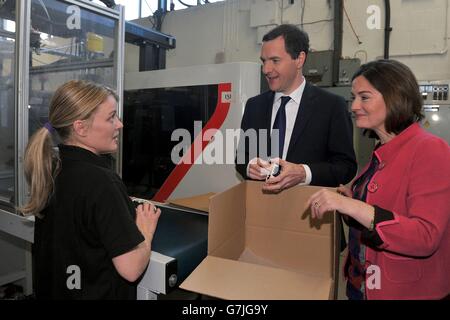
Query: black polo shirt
[{"x": 89, "y": 220}]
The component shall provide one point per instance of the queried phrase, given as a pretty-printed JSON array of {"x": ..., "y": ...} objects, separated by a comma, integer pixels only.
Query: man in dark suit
[{"x": 315, "y": 144}]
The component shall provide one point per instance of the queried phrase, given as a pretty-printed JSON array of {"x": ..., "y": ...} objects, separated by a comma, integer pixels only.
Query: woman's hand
[
  {"x": 147, "y": 216},
  {"x": 345, "y": 191},
  {"x": 325, "y": 200},
  {"x": 132, "y": 264}
]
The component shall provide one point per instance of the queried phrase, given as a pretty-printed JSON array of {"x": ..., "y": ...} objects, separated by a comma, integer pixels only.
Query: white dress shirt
[{"x": 291, "y": 115}]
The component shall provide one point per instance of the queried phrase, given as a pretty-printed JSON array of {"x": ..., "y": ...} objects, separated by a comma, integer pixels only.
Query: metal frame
[
  {"x": 152, "y": 46},
  {"x": 22, "y": 96},
  {"x": 18, "y": 226},
  {"x": 7, "y": 34},
  {"x": 139, "y": 35},
  {"x": 120, "y": 75},
  {"x": 11, "y": 223},
  {"x": 74, "y": 66},
  {"x": 95, "y": 7}
]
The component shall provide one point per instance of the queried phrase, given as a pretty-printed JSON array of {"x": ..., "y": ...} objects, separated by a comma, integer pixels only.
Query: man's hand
[
  {"x": 259, "y": 169},
  {"x": 291, "y": 175}
]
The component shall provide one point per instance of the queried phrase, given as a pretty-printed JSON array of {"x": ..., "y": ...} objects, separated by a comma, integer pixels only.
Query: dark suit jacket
[{"x": 322, "y": 137}]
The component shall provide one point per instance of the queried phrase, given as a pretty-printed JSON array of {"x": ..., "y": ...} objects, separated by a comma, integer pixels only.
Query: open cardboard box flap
[
  {"x": 263, "y": 246},
  {"x": 200, "y": 202},
  {"x": 235, "y": 280}
]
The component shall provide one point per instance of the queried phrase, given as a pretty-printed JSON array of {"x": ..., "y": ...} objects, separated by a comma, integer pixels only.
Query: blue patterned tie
[{"x": 280, "y": 123}]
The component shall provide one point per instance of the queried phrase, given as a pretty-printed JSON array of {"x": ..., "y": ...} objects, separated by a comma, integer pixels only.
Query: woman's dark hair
[
  {"x": 400, "y": 91},
  {"x": 295, "y": 40}
]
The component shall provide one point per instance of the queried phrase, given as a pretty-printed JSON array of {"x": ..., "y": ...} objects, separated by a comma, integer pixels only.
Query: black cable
[
  {"x": 338, "y": 38},
  {"x": 303, "y": 4},
  {"x": 387, "y": 28},
  {"x": 109, "y": 3},
  {"x": 185, "y": 4},
  {"x": 351, "y": 25}
]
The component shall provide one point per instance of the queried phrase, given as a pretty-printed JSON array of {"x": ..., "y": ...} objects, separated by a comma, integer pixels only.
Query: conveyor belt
[{"x": 182, "y": 235}]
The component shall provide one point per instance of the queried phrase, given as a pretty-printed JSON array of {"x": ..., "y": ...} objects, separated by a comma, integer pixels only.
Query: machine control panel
[{"x": 435, "y": 91}]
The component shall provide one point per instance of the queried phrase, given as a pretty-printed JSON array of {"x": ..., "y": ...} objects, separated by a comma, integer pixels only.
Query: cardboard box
[
  {"x": 263, "y": 246},
  {"x": 199, "y": 203}
]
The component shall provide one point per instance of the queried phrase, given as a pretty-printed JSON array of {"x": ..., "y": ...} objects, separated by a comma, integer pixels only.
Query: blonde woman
[{"x": 90, "y": 242}]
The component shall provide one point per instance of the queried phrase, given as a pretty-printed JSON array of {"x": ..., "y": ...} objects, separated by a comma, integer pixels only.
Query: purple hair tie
[{"x": 49, "y": 127}]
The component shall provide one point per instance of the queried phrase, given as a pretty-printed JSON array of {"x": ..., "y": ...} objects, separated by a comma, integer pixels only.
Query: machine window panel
[
  {"x": 67, "y": 42},
  {"x": 7, "y": 102},
  {"x": 150, "y": 117}
]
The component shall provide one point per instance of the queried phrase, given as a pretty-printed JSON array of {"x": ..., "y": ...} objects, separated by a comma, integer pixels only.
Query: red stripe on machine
[{"x": 181, "y": 169}]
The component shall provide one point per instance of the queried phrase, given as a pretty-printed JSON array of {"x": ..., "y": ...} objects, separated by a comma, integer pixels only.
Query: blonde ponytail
[{"x": 40, "y": 165}]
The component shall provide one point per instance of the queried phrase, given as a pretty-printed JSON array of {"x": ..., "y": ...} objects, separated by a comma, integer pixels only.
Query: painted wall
[{"x": 230, "y": 31}]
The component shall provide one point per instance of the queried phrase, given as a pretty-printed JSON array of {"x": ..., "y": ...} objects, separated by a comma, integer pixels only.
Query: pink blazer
[{"x": 413, "y": 182}]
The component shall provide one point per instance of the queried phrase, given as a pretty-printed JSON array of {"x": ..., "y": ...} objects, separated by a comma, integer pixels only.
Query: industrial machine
[
  {"x": 178, "y": 128},
  {"x": 196, "y": 107},
  {"x": 179, "y": 245},
  {"x": 436, "y": 107}
]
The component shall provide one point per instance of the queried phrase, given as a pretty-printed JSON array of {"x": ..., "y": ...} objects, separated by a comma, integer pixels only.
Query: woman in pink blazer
[{"x": 398, "y": 208}]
